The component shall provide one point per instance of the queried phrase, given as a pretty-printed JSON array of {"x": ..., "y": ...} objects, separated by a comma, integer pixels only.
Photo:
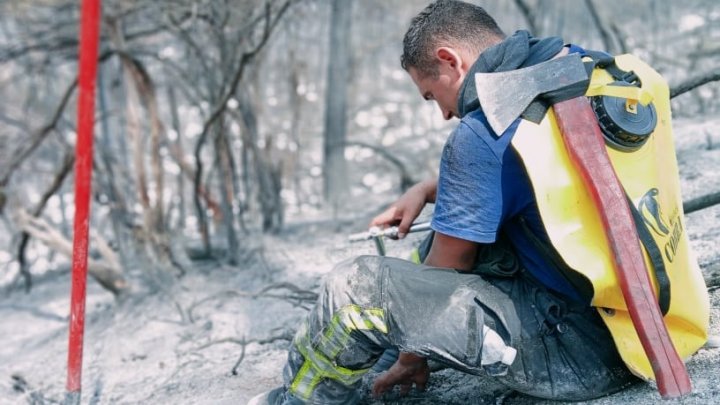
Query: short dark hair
[{"x": 449, "y": 22}]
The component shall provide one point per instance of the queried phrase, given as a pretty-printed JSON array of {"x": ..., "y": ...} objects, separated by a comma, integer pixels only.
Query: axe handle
[{"x": 586, "y": 147}]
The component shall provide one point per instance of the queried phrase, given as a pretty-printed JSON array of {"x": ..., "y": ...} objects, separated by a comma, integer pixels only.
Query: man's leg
[
  {"x": 565, "y": 352},
  {"x": 371, "y": 303}
]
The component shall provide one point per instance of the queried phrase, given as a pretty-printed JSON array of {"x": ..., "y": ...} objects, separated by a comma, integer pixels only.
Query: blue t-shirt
[{"x": 483, "y": 187}]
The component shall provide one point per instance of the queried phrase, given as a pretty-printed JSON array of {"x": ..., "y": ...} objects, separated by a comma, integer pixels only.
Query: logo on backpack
[
  {"x": 652, "y": 214},
  {"x": 664, "y": 226}
]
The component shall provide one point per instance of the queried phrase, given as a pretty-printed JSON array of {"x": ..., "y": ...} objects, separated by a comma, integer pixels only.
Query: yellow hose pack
[{"x": 650, "y": 178}]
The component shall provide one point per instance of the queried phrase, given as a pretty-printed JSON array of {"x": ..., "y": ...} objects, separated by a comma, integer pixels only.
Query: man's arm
[
  {"x": 430, "y": 186},
  {"x": 404, "y": 211},
  {"x": 448, "y": 251}
]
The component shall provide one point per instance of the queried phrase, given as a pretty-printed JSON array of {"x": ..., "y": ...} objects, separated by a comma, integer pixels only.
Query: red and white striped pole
[{"x": 87, "y": 66}]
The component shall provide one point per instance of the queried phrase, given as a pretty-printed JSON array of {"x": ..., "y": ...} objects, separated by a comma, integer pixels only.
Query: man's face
[{"x": 443, "y": 89}]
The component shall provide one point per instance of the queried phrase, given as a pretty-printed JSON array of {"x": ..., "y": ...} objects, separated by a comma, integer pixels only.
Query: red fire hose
[
  {"x": 89, "y": 37},
  {"x": 586, "y": 148}
]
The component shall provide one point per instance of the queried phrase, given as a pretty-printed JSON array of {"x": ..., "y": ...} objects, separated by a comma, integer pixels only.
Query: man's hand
[
  {"x": 404, "y": 211},
  {"x": 409, "y": 369}
]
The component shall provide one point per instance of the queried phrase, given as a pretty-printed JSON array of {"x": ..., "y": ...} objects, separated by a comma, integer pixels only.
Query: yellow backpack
[{"x": 649, "y": 175}]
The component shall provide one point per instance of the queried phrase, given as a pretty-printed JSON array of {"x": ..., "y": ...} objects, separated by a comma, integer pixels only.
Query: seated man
[{"x": 486, "y": 300}]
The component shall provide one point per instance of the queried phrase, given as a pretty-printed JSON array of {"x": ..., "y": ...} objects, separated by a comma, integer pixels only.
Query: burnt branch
[
  {"x": 529, "y": 15},
  {"x": 286, "y": 336},
  {"x": 106, "y": 271},
  {"x": 406, "y": 180},
  {"x": 52, "y": 44},
  {"x": 604, "y": 33},
  {"x": 234, "y": 370},
  {"x": 49, "y": 45},
  {"x": 295, "y": 295},
  {"x": 702, "y": 202},
  {"x": 620, "y": 36},
  {"x": 21, "y": 125},
  {"x": 57, "y": 182},
  {"x": 41, "y": 134},
  {"x": 694, "y": 82}
]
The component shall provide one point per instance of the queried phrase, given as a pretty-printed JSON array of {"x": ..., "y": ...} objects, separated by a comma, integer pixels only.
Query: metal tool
[
  {"x": 504, "y": 96},
  {"x": 377, "y": 235}
]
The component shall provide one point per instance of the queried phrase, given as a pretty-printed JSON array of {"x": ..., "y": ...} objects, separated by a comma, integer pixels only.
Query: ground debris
[{"x": 19, "y": 383}]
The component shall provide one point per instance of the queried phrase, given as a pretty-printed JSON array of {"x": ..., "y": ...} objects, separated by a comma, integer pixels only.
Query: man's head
[{"x": 441, "y": 45}]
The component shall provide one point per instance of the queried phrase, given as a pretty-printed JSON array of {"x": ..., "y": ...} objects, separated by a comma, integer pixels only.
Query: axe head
[{"x": 504, "y": 96}]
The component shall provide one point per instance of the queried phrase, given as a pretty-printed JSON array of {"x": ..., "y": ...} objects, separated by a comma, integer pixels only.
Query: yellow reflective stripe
[
  {"x": 305, "y": 381},
  {"x": 317, "y": 360},
  {"x": 415, "y": 256},
  {"x": 335, "y": 339},
  {"x": 353, "y": 317},
  {"x": 643, "y": 96},
  {"x": 326, "y": 368},
  {"x": 377, "y": 317},
  {"x": 356, "y": 320}
]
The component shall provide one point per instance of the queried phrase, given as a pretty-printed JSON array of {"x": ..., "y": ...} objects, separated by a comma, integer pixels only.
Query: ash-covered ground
[{"x": 179, "y": 345}]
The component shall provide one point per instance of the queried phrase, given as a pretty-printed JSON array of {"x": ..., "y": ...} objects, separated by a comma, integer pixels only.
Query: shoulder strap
[{"x": 602, "y": 60}]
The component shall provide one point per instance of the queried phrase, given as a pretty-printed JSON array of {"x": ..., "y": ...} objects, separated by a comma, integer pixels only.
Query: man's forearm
[{"x": 429, "y": 187}]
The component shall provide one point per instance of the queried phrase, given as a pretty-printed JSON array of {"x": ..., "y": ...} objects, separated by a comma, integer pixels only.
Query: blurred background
[{"x": 220, "y": 120}]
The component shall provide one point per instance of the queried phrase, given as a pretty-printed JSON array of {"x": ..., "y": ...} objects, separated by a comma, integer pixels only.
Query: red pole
[{"x": 89, "y": 37}]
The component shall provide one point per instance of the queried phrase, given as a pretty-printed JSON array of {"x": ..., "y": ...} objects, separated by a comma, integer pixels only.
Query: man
[{"x": 488, "y": 300}]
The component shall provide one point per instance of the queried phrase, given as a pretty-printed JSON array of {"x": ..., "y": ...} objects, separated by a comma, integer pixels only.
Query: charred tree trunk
[
  {"x": 226, "y": 191},
  {"x": 335, "y": 171},
  {"x": 137, "y": 147},
  {"x": 247, "y": 185},
  {"x": 296, "y": 104},
  {"x": 179, "y": 147},
  {"x": 144, "y": 94},
  {"x": 530, "y": 16},
  {"x": 118, "y": 207},
  {"x": 156, "y": 164},
  {"x": 140, "y": 91},
  {"x": 601, "y": 26},
  {"x": 268, "y": 178}
]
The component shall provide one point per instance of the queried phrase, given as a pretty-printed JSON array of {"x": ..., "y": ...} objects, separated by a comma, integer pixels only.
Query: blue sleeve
[
  {"x": 572, "y": 48},
  {"x": 469, "y": 200}
]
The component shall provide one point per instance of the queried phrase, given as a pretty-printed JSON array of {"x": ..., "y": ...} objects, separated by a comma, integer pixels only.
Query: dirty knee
[{"x": 358, "y": 276}]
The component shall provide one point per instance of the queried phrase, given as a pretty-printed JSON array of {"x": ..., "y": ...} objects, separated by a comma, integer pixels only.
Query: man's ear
[{"x": 449, "y": 57}]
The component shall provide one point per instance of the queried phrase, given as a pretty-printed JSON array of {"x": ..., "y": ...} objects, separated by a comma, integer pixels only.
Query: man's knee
[
  {"x": 353, "y": 272},
  {"x": 353, "y": 281}
]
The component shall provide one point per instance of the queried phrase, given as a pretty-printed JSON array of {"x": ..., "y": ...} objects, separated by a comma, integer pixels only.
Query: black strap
[
  {"x": 582, "y": 284},
  {"x": 602, "y": 60},
  {"x": 535, "y": 112},
  {"x": 655, "y": 257}
]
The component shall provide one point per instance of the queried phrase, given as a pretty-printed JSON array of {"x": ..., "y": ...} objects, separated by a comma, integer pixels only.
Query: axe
[{"x": 504, "y": 96}]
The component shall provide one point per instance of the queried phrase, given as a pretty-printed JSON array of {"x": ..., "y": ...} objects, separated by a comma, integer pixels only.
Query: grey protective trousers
[{"x": 371, "y": 303}]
